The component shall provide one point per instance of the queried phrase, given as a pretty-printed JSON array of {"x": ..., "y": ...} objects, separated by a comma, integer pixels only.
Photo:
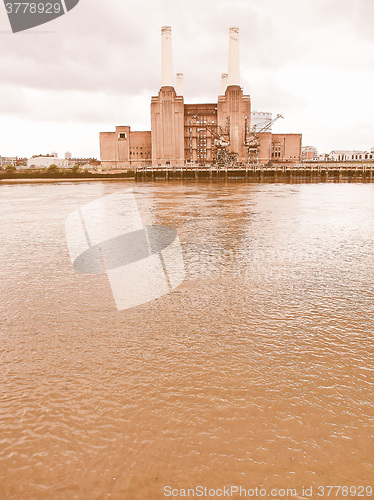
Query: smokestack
[
  {"x": 179, "y": 86},
  {"x": 166, "y": 57},
  {"x": 224, "y": 78},
  {"x": 234, "y": 75}
]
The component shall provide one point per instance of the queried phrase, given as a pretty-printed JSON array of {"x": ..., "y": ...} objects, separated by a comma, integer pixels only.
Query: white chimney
[
  {"x": 166, "y": 57},
  {"x": 234, "y": 76},
  {"x": 224, "y": 78},
  {"x": 179, "y": 86}
]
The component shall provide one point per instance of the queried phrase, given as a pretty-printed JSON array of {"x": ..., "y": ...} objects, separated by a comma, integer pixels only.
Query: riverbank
[
  {"x": 62, "y": 179},
  {"x": 48, "y": 175},
  {"x": 284, "y": 174}
]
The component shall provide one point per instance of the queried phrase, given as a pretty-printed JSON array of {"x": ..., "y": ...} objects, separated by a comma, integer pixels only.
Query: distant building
[
  {"x": 8, "y": 160},
  {"x": 309, "y": 153},
  {"x": 68, "y": 155},
  {"x": 82, "y": 162},
  {"x": 192, "y": 133},
  {"x": 46, "y": 161},
  {"x": 92, "y": 166},
  {"x": 351, "y": 155}
]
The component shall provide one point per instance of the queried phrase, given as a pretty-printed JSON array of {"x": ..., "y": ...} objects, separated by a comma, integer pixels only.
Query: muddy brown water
[{"x": 257, "y": 371}]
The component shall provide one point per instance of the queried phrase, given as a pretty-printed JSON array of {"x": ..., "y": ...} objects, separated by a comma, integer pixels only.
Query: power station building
[{"x": 188, "y": 134}]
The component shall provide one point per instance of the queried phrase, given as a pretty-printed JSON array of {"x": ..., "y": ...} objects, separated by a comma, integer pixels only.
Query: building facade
[
  {"x": 47, "y": 161},
  {"x": 189, "y": 134},
  {"x": 351, "y": 155},
  {"x": 125, "y": 149},
  {"x": 309, "y": 153},
  {"x": 8, "y": 160}
]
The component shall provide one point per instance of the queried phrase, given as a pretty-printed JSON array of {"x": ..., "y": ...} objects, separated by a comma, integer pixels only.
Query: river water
[{"x": 257, "y": 371}]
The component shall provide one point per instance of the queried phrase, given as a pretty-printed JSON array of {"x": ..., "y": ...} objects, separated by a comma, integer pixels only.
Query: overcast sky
[{"x": 98, "y": 66}]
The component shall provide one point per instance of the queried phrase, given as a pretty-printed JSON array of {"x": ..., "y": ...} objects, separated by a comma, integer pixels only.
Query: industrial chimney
[
  {"x": 179, "y": 86},
  {"x": 224, "y": 78},
  {"x": 166, "y": 58},
  {"x": 234, "y": 76}
]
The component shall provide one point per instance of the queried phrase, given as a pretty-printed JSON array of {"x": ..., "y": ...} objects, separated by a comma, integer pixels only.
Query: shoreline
[
  {"x": 291, "y": 181},
  {"x": 56, "y": 179}
]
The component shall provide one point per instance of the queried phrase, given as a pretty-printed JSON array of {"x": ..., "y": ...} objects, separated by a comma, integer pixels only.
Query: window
[{"x": 122, "y": 135}]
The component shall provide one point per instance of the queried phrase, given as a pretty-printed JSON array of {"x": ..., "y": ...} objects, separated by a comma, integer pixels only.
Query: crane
[
  {"x": 221, "y": 156},
  {"x": 252, "y": 139}
]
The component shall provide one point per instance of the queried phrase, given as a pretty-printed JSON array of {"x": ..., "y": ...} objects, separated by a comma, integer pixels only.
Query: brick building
[{"x": 187, "y": 133}]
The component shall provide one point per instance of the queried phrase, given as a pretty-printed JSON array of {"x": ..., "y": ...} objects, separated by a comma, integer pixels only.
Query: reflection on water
[{"x": 256, "y": 371}]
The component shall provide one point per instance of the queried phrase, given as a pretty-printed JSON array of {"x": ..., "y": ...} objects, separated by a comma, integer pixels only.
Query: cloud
[{"x": 100, "y": 64}]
